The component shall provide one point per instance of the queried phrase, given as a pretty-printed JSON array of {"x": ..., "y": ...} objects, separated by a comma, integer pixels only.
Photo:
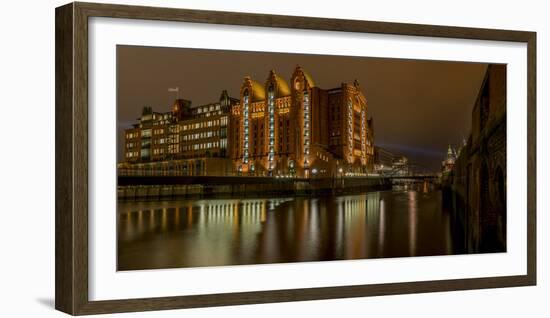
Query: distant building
[
  {"x": 448, "y": 164},
  {"x": 186, "y": 140},
  {"x": 389, "y": 163},
  {"x": 383, "y": 160},
  {"x": 401, "y": 166},
  {"x": 300, "y": 129}
]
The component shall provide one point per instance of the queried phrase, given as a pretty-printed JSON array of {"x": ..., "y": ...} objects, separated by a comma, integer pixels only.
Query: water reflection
[
  {"x": 412, "y": 222},
  {"x": 228, "y": 232}
]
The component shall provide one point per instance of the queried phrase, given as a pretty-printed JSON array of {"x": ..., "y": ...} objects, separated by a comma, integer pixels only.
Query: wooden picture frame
[{"x": 71, "y": 268}]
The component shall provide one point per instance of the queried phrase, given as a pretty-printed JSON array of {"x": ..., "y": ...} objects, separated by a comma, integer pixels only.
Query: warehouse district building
[{"x": 273, "y": 129}]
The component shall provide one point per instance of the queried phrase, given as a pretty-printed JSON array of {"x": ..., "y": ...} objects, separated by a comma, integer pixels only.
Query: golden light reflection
[
  {"x": 164, "y": 220},
  {"x": 360, "y": 237},
  {"x": 263, "y": 216},
  {"x": 129, "y": 227},
  {"x": 235, "y": 209},
  {"x": 189, "y": 215},
  {"x": 235, "y": 230},
  {"x": 152, "y": 218},
  {"x": 314, "y": 223},
  {"x": 339, "y": 226},
  {"x": 201, "y": 216},
  {"x": 140, "y": 221},
  {"x": 177, "y": 217},
  {"x": 301, "y": 235},
  {"x": 413, "y": 219},
  {"x": 382, "y": 226}
]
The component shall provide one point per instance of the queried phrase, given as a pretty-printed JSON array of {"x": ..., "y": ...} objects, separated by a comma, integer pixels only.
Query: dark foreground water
[{"x": 167, "y": 234}]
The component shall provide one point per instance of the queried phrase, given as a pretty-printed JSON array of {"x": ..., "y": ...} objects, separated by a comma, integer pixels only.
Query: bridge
[{"x": 411, "y": 172}]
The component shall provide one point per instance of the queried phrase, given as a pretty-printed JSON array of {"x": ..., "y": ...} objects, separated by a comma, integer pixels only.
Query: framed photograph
[{"x": 211, "y": 158}]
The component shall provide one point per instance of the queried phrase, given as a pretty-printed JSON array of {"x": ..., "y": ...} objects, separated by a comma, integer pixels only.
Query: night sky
[{"x": 419, "y": 107}]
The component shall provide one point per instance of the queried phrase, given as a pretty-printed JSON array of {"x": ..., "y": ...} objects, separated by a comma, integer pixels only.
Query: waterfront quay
[{"x": 151, "y": 187}]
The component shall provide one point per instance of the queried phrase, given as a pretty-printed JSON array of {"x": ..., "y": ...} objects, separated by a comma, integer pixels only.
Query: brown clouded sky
[{"x": 419, "y": 107}]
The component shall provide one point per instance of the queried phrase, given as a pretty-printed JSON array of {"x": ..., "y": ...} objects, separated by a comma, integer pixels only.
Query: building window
[{"x": 146, "y": 133}]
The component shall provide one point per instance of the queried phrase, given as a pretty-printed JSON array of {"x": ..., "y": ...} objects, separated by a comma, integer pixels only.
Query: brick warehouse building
[
  {"x": 271, "y": 130},
  {"x": 301, "y": 129},
  {"x": 185, "y": 141}
]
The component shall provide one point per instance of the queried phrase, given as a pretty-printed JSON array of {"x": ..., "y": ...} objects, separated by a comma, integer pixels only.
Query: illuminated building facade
[
  {"x": 186, "y": 140},
  {"x": 448, "y": 164},
  {"x": 273, "y": 129},
  {"x": 383, "y": 161},
  {"x": 401, "y": 166},
  {"x": 300, "y": 129}
]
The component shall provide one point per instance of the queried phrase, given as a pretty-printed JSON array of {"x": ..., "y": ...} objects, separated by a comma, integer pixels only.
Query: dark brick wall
[{"x": 478, "y": 180}]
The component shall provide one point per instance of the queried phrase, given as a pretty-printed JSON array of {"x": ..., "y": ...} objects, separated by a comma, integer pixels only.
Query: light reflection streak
[
  {"x": 177, "y": 217},
  {"x": 271, "y": 230},
  {"x": 413, "y": 219},
  {"x": 164, "y": 220},
  {"x": 152, "y": 218},
  {"x": 302, "y": 230},
  {"x": 140, "y": 221},
  {"x": 339, "y": 248},
  {"x": 314, "y": 227},
  {"x": 382, "y": 227},
  {"x": 129, "y": 227},
  {"x": 189, "y": 215}
]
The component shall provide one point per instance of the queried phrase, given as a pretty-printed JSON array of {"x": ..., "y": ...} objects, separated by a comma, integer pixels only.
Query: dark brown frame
[{"x": 71, "y": 142}]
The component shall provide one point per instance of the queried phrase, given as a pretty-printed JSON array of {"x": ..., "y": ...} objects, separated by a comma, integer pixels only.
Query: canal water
[{"x": 191, "y": 233}]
